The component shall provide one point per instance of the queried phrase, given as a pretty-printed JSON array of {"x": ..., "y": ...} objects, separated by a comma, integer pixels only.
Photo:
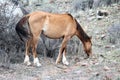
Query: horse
[{"x": 53, "y": 26}]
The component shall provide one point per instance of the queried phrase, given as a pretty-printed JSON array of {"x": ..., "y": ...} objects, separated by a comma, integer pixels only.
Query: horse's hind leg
[
  {"x": 63, "y": 51},
  {"x": 34, "y": 47},
  {"x": 27, "y": 60}
]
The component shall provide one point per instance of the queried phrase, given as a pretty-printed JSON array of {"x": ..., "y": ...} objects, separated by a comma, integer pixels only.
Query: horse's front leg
[
  {"x": 63, "y": 51},
  {"x": 64, "y": 59},
  {"x": 27, "y": 60}
]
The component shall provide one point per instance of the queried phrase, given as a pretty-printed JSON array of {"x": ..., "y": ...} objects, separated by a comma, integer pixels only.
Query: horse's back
[{"x": 52, "y": 25}]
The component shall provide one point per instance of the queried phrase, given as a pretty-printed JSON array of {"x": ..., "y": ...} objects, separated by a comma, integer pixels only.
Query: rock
[
  {"x": 91, "y": 18},
  {"x": 77, "y": 59},
  {"x": 46, "y": 78},
  {"x": 81, "y": 64},
  {"x": 97, "y": 74},
  {"x": 84, "y": 64},
  {"x": 78, "y": 72},
  {"x": 106, "y": 68},
  {"x": 89, "y": 70},
  {"x": 118, "y": 70},
  {"x": 108, "y": 77},
  {"x": 11, "y": 10},
  {"x": 67, "y": 70},
  {"x": 77, "y": 64},
  {"x": 101, "y": 14}
]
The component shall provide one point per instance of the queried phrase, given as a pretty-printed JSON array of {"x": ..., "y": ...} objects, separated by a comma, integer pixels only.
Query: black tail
[{"x": 23, "y": 29}]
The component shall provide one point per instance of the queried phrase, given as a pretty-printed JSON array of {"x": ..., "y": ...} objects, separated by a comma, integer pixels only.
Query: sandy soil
[{"x": 104, "y": 65}]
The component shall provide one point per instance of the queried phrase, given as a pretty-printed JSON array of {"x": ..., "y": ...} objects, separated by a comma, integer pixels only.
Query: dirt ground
[
  {"x": 104, "y": 65},
  {"x": 80, "y": 69}
]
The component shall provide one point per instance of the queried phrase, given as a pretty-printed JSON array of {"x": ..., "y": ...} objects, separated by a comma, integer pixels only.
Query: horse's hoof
[
  {"x": 28, "y": 63},
  {"x": 66, "y": 63},
  {"x": 37, "y": 64}
]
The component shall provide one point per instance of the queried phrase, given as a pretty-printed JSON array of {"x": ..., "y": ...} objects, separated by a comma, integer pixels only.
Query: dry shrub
[
  {"x": 114, "y": 34},
  {"x": 9, "y": 41},
  {"x": 82, "y": 4}
]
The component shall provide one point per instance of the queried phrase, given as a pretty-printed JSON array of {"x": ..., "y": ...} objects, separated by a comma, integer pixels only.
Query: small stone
[
  {"x": 108, "y": 77},
  {"x": 97, "y": 74},
  {"x": 106, "y": 68},
  {"x": 78, "y": 72},
  {"x": 77, "y": 64},
  {"x": 77, "y": 59},
  {"x": 118, "y": 70},
  {"x": 89, "y": 70},
  {"x": 84, "y": 64}
]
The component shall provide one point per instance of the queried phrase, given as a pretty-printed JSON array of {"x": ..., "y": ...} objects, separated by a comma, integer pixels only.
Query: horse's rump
[{"x": 23, "y": 29}]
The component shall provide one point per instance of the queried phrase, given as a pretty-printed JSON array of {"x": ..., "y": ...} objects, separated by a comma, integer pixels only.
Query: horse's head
[{"x": 88, "y": 47}]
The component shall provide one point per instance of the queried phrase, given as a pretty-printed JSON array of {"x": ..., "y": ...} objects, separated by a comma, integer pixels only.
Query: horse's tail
[{"x": 23, "y": 29}]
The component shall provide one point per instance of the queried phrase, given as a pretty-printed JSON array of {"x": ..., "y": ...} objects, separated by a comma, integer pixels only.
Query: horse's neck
[{"x": 81, "y": 34}]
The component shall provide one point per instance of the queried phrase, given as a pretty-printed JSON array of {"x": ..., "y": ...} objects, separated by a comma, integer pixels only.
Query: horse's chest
[{"x": 45, "y": 25}]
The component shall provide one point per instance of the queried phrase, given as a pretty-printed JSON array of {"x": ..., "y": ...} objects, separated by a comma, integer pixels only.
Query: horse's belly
[
  {"x": 52, "y": 31},
  {"x": 53, "y": 34}
]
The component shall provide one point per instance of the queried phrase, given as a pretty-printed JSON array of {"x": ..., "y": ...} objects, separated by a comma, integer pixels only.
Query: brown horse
[{"x": 53, "y": 26}]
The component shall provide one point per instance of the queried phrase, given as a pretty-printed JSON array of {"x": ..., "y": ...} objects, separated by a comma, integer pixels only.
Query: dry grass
[{"x": 105, "y": 64}]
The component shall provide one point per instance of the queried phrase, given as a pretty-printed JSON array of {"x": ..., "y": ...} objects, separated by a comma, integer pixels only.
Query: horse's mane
[
  {"x": 82, "y": 32},
  {"x": 79, "y": 28},
  {"x": 70, "y": 15}
]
